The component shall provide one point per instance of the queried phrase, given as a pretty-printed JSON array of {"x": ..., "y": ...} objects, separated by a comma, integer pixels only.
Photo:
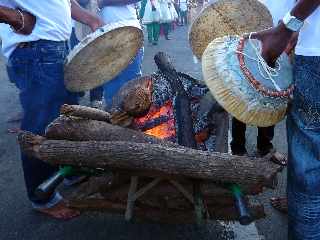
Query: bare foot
[
  {"x": 280, "y": 204},
  {"x": 60, "y": 211}
]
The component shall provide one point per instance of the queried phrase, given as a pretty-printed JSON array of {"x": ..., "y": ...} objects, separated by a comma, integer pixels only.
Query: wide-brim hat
[
  {"x": 227, "y": 17},
  {"x": 101, "y": 56},
  {"x": 237, "y": 80}
]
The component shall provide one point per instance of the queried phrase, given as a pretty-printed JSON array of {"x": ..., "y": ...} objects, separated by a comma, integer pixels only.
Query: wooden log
[
  {"x": 85, "y": 112},
  {"x": 78, "y": 129},
  {"x": 152, "y": 160}
]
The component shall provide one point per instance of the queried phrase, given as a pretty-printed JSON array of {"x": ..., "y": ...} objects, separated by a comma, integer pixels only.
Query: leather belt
[{"x": 24, "y": 45}]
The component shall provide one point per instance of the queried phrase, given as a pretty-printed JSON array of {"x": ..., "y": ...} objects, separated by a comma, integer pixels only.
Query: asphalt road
[{"x": 18, "y": 221}]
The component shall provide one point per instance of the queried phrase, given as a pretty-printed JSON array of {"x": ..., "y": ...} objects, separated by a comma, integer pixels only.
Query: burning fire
[{"x": 163, "y": 119}]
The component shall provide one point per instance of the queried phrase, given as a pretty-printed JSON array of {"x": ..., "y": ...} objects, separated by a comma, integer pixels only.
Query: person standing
[
  {"x": 81, "y": 31},
  {"x": 166, "y": 17},
  {"x": 124, "y": 13},
  {"x": 35, "y": 46},
  {"x": 183, "y": 6},
  {"x": 151, "y": 15},
  {"x": 303, "y": 120}
]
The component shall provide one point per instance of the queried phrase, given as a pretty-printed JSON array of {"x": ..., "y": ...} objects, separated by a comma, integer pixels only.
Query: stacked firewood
[{"x": 84, "y": 137}]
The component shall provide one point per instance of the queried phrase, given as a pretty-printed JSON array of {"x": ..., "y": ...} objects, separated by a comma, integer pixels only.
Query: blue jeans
[
  {"x": 303, "y": 125},
  {"x": 131, "y": 72},
  {"x": 37, "y": 71}
]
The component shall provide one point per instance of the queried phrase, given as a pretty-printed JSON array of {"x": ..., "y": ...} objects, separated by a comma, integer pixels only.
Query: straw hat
[
  {"x": 227, "y": 17},
  {"x": 235, "y": 76},
  {"x": 101, "y": 56}
]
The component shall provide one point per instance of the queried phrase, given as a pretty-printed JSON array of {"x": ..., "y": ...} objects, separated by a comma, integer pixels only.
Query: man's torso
[{"x": 53, "y": 22}]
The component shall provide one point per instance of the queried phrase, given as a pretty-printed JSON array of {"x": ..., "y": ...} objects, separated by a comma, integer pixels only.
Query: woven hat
[
  {"x": 227, "y": 17},
  {"x": 234, "y": 72},
  {"x": 101, "y": 56}
]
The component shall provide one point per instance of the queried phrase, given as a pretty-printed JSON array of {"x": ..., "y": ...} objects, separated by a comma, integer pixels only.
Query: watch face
[{"x": 294, "y": 24}]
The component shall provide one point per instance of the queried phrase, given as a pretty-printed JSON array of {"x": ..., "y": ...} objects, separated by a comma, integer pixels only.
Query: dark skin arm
[
  {"x": 84, "y": 16},
  {"x": 104, "y": 3},
  {"x": 276, "y": 40},
  {"x": 13, "y": 18}
]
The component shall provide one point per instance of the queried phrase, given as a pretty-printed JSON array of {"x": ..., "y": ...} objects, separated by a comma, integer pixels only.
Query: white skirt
[
  {"x": 166, "y": 16},
  {"x": 151, "y": 16}
]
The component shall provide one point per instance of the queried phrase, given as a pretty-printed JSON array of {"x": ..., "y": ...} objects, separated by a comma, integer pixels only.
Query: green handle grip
[
  {"x": 244, "y": 215},
  {"x": 45, "y": 190}
]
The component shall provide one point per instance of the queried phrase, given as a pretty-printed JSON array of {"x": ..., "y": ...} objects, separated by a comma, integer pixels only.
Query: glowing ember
[{"x": 158, "y": 122}]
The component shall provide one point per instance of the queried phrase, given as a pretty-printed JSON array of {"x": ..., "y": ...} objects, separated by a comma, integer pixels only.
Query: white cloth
[
  {"x": 174, "y": 14},
  {"x": 149, "y": 15},
  {"x": 53, "y": 22},
  {"x": 111, "y": 14},
  {"x": 183, "y": 5},
  {"x": 309, "y": 36},
  {"x": 166, "y": 16}
]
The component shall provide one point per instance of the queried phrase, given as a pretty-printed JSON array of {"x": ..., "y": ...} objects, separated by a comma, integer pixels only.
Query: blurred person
[
  {"x": 151, "y": 16},
  {"x": 183, "y": 9},
  {"x": 303, "y": 120},
  {"x": 166, "y": 17},
  {"x": 35, "y": 46},
  {"x": 124, "y": 13},
  {"x": 80, "y": 32}
]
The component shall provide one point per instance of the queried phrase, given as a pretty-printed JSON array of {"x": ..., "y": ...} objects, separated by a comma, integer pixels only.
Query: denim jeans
[
  {"x": 37, "y": 71},
  {"x": 303, "y": 125},
  {"x": 131, "y": 72}
]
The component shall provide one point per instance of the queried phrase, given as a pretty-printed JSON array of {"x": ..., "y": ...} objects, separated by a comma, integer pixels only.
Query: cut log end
[
  {"x": 30, "y": 143},
  {"x": 85, "y": 112}
]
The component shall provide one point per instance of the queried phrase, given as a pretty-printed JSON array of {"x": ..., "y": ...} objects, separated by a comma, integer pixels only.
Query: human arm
[
  {"x": 104, "y": 3},
  {"x": 19, "y": 20},
  {"x": 275, "y": 40},
  {"x": 84, "y": 16}
]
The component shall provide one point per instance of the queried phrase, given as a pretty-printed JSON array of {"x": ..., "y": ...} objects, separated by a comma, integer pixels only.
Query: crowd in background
[{"x": 162, "y": 16}]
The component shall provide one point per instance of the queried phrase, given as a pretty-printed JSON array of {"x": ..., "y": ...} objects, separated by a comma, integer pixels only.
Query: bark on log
[
  {"x": 152, "y": 160},
  {"x": 85, "y": 112},
  {"x": 78, "y": 129}
]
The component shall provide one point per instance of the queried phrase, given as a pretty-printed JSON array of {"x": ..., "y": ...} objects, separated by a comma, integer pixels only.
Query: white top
[
  {"x": 183, "y": 5},
  {"x": 123, "y": 13},
  {"x": 53, "y": 22},
  {"x": 309, "y": 37}
]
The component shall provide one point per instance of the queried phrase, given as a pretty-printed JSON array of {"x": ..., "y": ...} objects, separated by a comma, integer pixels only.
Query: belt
[
  {"x": 24, "y": 45},
  {"x": 34, "y": 43}
]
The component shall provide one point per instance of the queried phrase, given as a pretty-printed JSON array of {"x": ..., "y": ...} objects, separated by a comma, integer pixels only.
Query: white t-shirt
[
  {"x": 183, "y": 5},
  {"x": 309, "y": 37},
  {"x": 111, "y": 14},
  {"x": 53, "y": 22}
]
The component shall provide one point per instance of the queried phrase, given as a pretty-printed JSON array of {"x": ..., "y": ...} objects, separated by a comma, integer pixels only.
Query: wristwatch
[{"x": 292, "y": 23}]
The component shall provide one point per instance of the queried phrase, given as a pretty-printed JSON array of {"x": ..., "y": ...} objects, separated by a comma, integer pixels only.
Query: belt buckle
[{"x": 24, "y": 45}]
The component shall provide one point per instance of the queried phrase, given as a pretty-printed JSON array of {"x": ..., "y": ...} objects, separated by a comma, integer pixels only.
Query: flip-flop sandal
[{"x": 280, "y": 204}]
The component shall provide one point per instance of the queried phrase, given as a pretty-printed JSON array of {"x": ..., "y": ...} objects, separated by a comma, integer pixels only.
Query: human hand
[
  {"x": 95, "y": 23},
  {"x": 274, "y": 42}
]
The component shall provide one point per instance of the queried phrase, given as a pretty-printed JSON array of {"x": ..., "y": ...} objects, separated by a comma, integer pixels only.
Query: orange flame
[{"x": 164, "y": 130}]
